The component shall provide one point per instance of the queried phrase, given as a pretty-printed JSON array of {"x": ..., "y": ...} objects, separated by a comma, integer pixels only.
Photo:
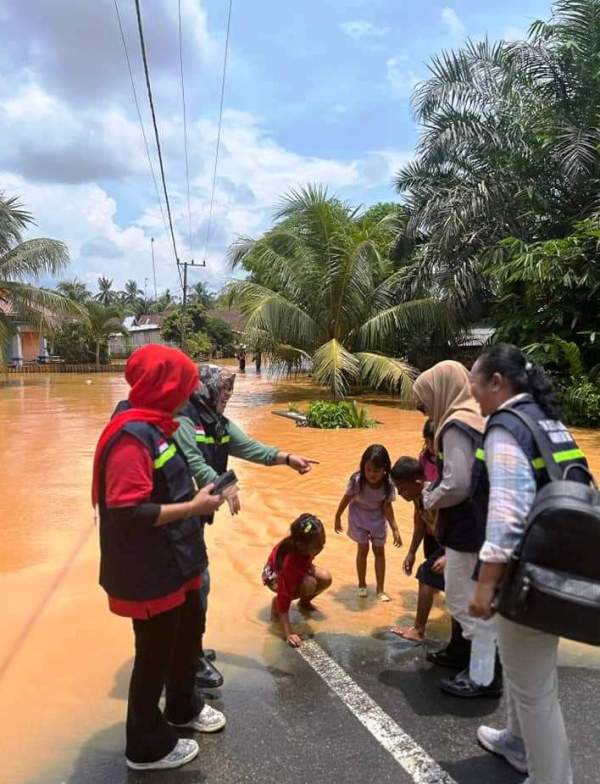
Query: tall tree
[
  {"x": 509, "y": 147},
  {"x": 322, "y": 293},
  {"x": 105, "y": 296},
  {"x": 75, "y": 290},
  {"x": 20, "y": 261},
  {"x": 101, "y": 323},
  {"x": 131, "y": 294}
]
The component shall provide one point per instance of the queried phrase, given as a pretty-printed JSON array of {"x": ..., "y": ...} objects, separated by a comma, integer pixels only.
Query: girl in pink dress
[{"x": 369, "y": 496}]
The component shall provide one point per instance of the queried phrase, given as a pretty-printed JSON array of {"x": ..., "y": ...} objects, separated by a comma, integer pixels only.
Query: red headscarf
[{"x": 161, "y": 379}]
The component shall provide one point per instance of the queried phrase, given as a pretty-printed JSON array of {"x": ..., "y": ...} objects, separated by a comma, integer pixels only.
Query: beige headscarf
[{"x": 445, "y": 392}]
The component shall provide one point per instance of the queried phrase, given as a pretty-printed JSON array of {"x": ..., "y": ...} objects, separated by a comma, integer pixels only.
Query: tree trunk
[{"x": 97, "y": 355}]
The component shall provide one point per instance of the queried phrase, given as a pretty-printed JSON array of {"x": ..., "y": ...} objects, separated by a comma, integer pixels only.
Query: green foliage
[
  {"x": 198, "y": 345},
  {"x": 581, "y": 403},
  {"x": 323, "y": 293},
  {"x": 86, "y": 340},
  {"x": 338, "y": 415},
  {"x": 74, "y": 344},
  {"x": 550, "y": 287},
  {"x": 198, "y": 327},
  {"x": 510, "y": 147}
]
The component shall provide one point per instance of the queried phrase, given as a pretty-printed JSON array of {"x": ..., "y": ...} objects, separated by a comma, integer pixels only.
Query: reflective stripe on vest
[
  {"x": 202, "y": 439},
  {"x": 538, "y": 463},
  {"x": 165, "y": 456}
]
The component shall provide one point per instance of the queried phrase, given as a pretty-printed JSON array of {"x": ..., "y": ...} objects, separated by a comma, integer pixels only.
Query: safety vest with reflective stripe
[
  {"x": 148, "y": 562},
  {"x": 561, "y": 443},
  {"x": 212, "y": 437}
]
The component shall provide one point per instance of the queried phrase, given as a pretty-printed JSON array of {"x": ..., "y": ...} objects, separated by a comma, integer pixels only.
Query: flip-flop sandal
[{"x": 398, "y": 633}]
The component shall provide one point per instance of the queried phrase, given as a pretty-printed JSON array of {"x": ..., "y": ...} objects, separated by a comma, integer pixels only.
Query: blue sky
[{"x": 317, "y": 91}]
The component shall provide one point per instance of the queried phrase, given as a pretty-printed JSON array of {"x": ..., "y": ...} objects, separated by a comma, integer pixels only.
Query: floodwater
[{"x": 64, "y": 659}]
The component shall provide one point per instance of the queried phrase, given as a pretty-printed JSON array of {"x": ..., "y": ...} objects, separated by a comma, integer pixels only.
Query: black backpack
[{"x": 553, "y": 580}]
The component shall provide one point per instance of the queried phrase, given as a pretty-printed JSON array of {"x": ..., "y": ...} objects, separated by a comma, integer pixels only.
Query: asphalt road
[{"x": 285, "y": 724}]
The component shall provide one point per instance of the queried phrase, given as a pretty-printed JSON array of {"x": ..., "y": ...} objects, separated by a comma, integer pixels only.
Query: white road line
[{"x": 407, "y": 753}]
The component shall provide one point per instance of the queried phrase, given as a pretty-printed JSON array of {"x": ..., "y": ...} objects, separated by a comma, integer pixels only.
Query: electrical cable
[
  {"x": 219, "y": 130},
  {"x": 140, "y": 119},
  {"x": 160, "y": 158},
  {"x": 185, "y": 135}
]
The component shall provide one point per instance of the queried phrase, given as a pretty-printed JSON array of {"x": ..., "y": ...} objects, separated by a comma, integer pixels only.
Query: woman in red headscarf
[{"x": 151, "y": 556}]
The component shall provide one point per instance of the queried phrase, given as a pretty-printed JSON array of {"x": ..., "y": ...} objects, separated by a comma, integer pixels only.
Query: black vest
[
  {"x": 462, "y": 527},
  {"x": 141, "y": 562},
  {"x": 212, "y": 438},
  {"x": 560, "y": 441}
]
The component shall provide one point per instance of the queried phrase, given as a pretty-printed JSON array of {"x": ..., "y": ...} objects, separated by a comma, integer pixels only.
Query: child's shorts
[
  {"x": 376, "y": 534},
  {"x": 269, "y": 578},
  {"x": 425, "y": 573}
]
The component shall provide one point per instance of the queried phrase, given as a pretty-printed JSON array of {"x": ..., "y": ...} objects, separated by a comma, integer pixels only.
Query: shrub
[
  {"x": 581, "y": 403},
  {"x": 331, "y": 416}
]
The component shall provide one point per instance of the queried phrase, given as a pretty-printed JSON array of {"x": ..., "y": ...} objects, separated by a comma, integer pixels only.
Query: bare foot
[
  {"x": 305, "y": 605},
  {"x": 408, "y": 633}
]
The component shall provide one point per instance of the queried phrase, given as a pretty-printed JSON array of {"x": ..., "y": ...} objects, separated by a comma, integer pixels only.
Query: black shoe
[
  {"x": 463, "y": 686},
  {"x": 454, "y": 660},
  {"x": 210, "y": 654},
  {"x": 207, "y": 675}
]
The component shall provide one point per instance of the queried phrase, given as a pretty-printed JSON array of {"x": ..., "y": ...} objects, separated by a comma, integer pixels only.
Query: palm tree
[
  {"x": 75, "y": 290},
  {"x": 509, "y": 147},
  {"x": 101, "y": 323},
  {"x": 105, "y": 296},
  {"x": 131, "y": 294},
  {"x": 20, "y": 261},
  {"x": 321, "y": 293}
]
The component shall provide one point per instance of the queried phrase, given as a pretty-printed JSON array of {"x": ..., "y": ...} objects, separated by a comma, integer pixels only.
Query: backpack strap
[{"x": 554, "y": 471}]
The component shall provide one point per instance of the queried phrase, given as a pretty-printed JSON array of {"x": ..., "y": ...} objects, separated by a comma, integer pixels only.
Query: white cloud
[
  {"x": 454, "y": 24},
  {"x": 360, "y": 28},
  {"x": 401, "y": 78},
  {"x": 514, "y": 34},
  {"x": 72, "y": 147}
]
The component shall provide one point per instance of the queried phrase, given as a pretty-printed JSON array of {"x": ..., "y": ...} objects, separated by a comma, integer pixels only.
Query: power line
[
  {"x": 151, "y": 101},
  {"x": 185, "y": 136},
  {"x": 139, "y": 114},
  {"x": 220, "y": 126}
]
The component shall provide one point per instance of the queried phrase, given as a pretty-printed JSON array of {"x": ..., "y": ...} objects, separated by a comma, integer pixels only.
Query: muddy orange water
[{"x": 64, "y": 660}]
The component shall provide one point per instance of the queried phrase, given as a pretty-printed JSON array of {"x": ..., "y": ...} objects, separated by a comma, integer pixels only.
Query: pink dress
[{"x": 366, "y": 521}]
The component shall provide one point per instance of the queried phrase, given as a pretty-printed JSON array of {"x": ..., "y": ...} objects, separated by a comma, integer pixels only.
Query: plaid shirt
[{"x": 512, "y": 492}]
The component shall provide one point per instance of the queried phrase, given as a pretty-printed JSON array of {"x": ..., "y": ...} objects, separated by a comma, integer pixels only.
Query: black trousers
[{"x": 166, "y": 654}]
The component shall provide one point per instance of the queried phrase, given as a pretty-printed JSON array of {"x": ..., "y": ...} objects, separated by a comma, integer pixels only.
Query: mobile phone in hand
[{"x": 223, "y": 482}]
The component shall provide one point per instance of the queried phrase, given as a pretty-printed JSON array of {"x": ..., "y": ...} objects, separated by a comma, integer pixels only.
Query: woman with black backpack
[{"x": 506, "y": 384}]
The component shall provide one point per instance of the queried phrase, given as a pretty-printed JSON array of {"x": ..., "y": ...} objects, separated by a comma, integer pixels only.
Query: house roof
[
  {"x": 233, "y": 317},
  {"x": 145, "y": 323}
]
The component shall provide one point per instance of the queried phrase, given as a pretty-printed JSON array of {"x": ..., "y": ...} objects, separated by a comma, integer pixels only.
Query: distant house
[
  {"x": 141, "y": 330},
  {"x": 27, "y": 344}
]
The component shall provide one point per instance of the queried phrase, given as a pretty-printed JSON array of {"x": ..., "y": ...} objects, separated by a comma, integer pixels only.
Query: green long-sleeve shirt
[{"x": 240, "y": 445}]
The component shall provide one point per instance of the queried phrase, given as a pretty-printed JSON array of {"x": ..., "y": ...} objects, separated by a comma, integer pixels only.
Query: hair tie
[
  {"x": 307, "y": 527},
  {"x": 528, "y": 367}
]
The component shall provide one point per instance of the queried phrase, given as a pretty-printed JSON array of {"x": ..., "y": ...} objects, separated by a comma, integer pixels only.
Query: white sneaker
[
  {"x": 383, "y": 597},
  {"x": 208, "y": 720},
  {"x": 362, "y": 593},
  {"x": 185, "y": 750},
  {"x": 504, "y": 744}
]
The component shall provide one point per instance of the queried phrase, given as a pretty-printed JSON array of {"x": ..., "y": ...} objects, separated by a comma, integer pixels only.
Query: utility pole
[
  {"x": 153, "y": 267},
  {"x": 185, "y": 265}
]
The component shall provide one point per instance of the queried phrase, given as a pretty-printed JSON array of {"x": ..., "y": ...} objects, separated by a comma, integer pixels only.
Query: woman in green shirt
[{"x": 207, "y": 438}]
